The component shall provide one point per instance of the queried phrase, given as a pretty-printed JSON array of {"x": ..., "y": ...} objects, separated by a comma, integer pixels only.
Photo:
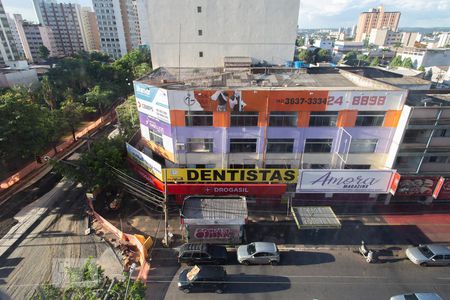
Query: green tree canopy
[
  {"x": 396, "y": 61},
  {"x": 306, "y": 56},
  {"x": 128, "y": 116},
  {"x": 375, "y": 62},
  {"x": 99, "y": 98},
  {"x": 73, "y": 113},
  {"x": 43, "y": 51},
  {"x": 407, "y": 63},
  {"x": 323, "y": 55}
]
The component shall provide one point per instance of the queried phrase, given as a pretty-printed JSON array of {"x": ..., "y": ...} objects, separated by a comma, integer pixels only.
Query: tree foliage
[
  {"x": 43, "y": 51},
  {"x": 407, "y": 63},
  {"x": 396, "y": 61},
  {"x": 128, "y": 116},
  {"x": 375, "y": 62},
  {"x": 323, "y": 55}
]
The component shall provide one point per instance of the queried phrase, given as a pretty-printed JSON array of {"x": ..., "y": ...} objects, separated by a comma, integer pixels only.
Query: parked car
[
  {"x": 258, "y": 253},
  {"x": 202, "y": 279},
  {"x": 417, "y": 296},
  {"x": 195, "y": 253},
  {"x": 427, "y": 255}
]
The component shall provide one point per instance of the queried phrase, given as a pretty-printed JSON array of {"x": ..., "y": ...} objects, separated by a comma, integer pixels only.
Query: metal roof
[
  {"x": 315, "y": 217},
  {"x": 214, "y": 210}
]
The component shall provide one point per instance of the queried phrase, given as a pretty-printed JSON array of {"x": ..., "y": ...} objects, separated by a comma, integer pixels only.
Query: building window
[
  {"x": 363, "y": 145},
  {"x": 199, "y": 145},
  {"x": 438, "y": 159},
  {"x": 200, "y": 32},
  {"x": 241, "y": 166},
  {"x": 318, "y": 145},
  {"x": 244, "y": 119},
  {"x": 280, "y": 145},
  {"x": 370, "y": 118},
  {"x": 278, "y": 166},
  {"x": 199, "y": 118},
  {"x": 442, "y": 133},
  {"x": 361, "y": 167},
  {"x": 200, "y": 54},
  {"x": 319, "y": 166},
  {"x": 283, "y": 119},
  {"x": 242, "y": 145},
  {"x": 323, "y": 119},
  {"x": 155, "y": 137},
  {"x": 199, "y": 9}
]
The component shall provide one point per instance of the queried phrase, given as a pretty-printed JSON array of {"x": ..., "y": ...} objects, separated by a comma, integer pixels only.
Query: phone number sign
[{"x": 366, "y": 100}]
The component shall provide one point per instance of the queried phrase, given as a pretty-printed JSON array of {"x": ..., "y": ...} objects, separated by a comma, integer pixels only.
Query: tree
[
  {"x": 396, "y": 61},
  {"x": 306, "y": 56},
  {"x": 128, "y": 116},
  {"x": 43, "y": 51},
  {"x": 407, "y": 63},
  {"x": 300, "y": 41},
  {"x": 397, "y": 45},
  {"x": 323, "y": 55},
  {"x": 351, "y": 55},
  {"x": 375, "y": 62},
  {"x": 421, "y": 68},
  {"x": 99, "y": 98},
  {"x": 46, "y": 92},
  {"x": 73, "y": 113},
  {"x": 93, "y": 168},
  {"x": 57, "y": 125}
]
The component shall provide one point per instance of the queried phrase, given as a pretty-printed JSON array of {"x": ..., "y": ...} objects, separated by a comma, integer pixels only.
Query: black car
[
  {"x": 203, "y": 279},
  {"x": 194, "y": 253}
]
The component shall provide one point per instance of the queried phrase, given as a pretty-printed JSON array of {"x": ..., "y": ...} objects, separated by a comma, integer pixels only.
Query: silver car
[
  {"x": 258, "y": 253},
  {"x": 418, "y": 296},
  {"x": 428, "y": 255}
]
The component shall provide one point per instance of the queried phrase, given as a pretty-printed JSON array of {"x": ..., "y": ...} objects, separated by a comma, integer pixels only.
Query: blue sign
[{"x": 145, "y": 92}]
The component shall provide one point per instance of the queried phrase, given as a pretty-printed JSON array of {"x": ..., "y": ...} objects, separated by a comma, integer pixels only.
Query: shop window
[
  {"x": 370, "y": 118},
  {"x": 242, "y": 145},
  {"x": 360, "y": 167},
  {"x": 318, "y": 145},
  {"x": 280, "y": 145},
  {"x": 278, "y": 166},
  {"x": 363, "y": 145},
  {"x": 283, "y": 119},
  {"x": 199, "y": 118},
  {"x": 319, "y": 166},
  {"x": 323, "y": 119},
  {"x": 242, "y": 166},
  {"x": 196, "y": 145},
  {"x": 244, "y": 119}
]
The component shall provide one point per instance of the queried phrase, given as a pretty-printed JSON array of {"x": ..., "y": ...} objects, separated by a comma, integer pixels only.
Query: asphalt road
[
  {"x": 324, "y": 275},
  {"x": 60, "y": 235}
]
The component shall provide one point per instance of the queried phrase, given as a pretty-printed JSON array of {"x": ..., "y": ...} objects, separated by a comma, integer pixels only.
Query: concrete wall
[
  {"x": 27, "y": 78},
  {"x": 260, "y": 29}
]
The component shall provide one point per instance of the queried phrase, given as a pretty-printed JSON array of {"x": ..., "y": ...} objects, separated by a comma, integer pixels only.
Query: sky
[{"x": 321, "y": 13}]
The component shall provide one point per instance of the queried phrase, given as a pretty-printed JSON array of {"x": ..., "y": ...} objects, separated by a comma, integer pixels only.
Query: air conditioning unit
[{"x": 181, "y": 147}]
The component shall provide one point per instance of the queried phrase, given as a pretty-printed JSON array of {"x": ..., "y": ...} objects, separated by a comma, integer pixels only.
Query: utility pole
[{"x": 166, "y": 211}]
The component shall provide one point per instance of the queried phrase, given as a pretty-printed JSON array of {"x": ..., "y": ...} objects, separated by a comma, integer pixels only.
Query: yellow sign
[{"x": 232, "y": 175}]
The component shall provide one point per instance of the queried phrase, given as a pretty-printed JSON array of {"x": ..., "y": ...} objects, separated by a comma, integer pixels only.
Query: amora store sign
[{"x": 345, "y": 181}]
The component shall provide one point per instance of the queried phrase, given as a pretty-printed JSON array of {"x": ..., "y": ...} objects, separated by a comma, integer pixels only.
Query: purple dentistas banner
[{"x": 158, "y": 126}]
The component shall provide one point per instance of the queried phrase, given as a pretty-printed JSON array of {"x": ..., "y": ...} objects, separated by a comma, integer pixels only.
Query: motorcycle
[{"x": 367, "y": 253}]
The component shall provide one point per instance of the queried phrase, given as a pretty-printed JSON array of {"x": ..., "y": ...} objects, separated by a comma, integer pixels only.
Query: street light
[{"x": 132, "y": 268}]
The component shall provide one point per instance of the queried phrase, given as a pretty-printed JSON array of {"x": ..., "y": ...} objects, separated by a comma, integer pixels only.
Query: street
[
  {"x": 322, "y": 275},
  {"x": 60, "y": 235}
]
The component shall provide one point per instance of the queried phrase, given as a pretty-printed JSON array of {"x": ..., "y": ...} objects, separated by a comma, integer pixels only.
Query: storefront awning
[{"x": 315, "y": 217}]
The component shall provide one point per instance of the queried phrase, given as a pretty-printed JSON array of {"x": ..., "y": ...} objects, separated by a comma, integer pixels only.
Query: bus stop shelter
[{"x": 315, "y": 217}]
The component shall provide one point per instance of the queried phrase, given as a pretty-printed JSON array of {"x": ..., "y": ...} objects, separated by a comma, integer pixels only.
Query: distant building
[
  {"x": 426, "y": 57},
  {"x": 444, "y": 40},
  {"x": 187, "y": 34},
  {"x": 409, "y": 39},
  {"x": 385, "y": 37},
  {"x": 89, "y": 27},
  {"x": 377, "y": 18},
  {"x": 8, "y": 49},
  {"x": 16, "y": 37},
  {"x": 324, "y": 44},
  {"x": 65, "y": 21},
  {"x": 344, "y": 47},
  {"x": 118, "y": 25}
]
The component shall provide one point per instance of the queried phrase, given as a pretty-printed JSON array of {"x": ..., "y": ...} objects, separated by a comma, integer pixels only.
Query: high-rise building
[
  {"x": 377, "y": 18},
  {"x": 89, "y": 27},
  {"x": 65, "y": 21},
  {"x": 190, "y": 34},
  {"x": 118, "y": 25},
  {"x": 8, "y": 49},
  {"x": 32, "y": 37},
  {"x": 16, "y": 37}
]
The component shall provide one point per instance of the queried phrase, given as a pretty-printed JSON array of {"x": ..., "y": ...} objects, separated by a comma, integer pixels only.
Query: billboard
[
  {"x": 145, "y": 161},
  {"x": 226, "y": 189},
  {"x": 345, "y": 181},
  {"x": 232, "y": 175},
  {"x": 366, "y": 100},
  {"x": 444, "y": 194},
  {"x": 417, "y": 185},
  {"x": 152, "y": 101}
]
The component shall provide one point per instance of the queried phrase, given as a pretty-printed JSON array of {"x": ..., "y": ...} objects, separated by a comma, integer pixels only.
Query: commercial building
[
  {"x": 426, "y": 57},
  {"x": 32, "y": 37},
  {"x": 202, "y": 34},
  {"x": 64, "y": 19},
  {"x": 376, "y": 18},
  {"x": 324, "y": 44},
  {"x": 118, "y": 25},
  {"x": 8, "y": 51},
  {"x": 385, "y": 37},
  {"x": 264, "y": 132},
  {"x": 89, "y": 27}
]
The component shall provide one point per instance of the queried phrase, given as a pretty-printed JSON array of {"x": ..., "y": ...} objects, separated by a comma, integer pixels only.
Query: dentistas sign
[
  {"x": 232, "y": 175},
  {"x": 345, "y": 181}
]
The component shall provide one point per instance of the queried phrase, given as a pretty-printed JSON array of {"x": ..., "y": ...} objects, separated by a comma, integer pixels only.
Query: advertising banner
[
  {"x": 145, "y": 161},
  {"x": 438, "y": 187},
  {"x": 417, "y": 185},
  {"x": 152, "y": 101},
  {"x": 345, "y": 181},
  {"x": 365, "y": 100},
  {"x": 226, "y": 189},
  {"x": 232, "y": 175},
  {"x": 444, "y": 194},
  {"x": 222, "y": 234},
  {"x": 155, "y": 125}
]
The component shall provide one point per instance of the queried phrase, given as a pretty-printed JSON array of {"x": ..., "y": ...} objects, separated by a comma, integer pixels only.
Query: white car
[
  {"x": 428, "y": 255},
  {"x": 258, "y": 253},
  {"x": 417, "y": 296}
]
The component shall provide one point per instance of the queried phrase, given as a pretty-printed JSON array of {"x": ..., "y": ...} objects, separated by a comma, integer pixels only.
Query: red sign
[
  {"x": 394, "y": 183},
  {"x": 417, "y": 185},
  {"x": 147, "y": 176},
  {"x": 226, "y": 189},
  {"x": 445, "y": 190},
  {"x": 213, "y": 233}
]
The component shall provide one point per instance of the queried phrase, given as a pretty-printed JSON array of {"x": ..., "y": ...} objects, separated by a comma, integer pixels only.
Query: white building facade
[
  {"x": 192, "y": 33},
  {"x": 8, "y": 49}
]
